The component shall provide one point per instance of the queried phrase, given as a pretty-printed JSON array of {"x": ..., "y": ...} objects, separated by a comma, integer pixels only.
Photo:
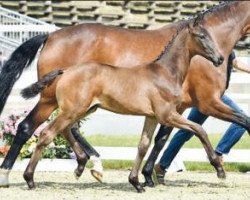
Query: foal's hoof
[
  {"x": 139, "y": 188},
  {"x": 80, "y": 167},
  {"x": 137, "y": 185},
  {"x": 28, "y": 177},
  {"x": 4, "y": 178},
  {"x": 77, "y": 173},
  {"x": 221, "y": 174}
]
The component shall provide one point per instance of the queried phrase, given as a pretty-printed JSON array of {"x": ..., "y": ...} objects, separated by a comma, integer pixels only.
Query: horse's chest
[{"x": 170, "y": 91}]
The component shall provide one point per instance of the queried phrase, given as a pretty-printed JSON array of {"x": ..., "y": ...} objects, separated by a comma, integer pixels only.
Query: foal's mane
[
  {"x": 170, "y": 43},
  {"x": 197, "y": 18}
]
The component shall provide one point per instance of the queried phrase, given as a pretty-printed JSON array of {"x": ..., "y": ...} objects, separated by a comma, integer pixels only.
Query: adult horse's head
[{"x": 203, "y": 44}]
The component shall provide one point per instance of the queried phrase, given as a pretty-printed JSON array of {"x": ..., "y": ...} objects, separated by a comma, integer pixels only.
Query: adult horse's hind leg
[
  {"x": 148, "y": 130},
  {"x": 176, "y": 120},
  {"x": 82, "y": 158},
  {"x": 217, "y": 108},
  {"x": 96, "y": 171},
  {"x": 160, "y": 140},
  {"x": 88, "y": 149},
  {"x": 37, "y": 116}
]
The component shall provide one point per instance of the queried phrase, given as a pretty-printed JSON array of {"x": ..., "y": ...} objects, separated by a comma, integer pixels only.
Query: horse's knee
[
  {"x": 24, "y": 132},
  {"x": 45, "y": 139}
]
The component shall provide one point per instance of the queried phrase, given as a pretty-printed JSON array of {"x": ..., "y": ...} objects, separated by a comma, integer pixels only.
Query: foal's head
[{"x": 201, "y": 43}]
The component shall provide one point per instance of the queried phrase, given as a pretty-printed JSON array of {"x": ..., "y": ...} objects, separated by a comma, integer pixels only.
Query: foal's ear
[{"x": 194, "y": 28}]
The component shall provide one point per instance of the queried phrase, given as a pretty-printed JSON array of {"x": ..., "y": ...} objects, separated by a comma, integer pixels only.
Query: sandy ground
[{"x": 183, "y": 185}]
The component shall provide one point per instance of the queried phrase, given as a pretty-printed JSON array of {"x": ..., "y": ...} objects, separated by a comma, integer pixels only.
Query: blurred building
[{"x": 128, "y": 14}]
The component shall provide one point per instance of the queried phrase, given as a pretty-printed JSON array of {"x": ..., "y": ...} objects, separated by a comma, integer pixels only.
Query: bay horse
[
  {"x": 70, "y": 46},
  {"x": 153, "y": 90}
]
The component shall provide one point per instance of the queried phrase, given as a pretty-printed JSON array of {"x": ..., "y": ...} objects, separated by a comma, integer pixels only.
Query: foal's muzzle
[{"x": 219, "y": 61}]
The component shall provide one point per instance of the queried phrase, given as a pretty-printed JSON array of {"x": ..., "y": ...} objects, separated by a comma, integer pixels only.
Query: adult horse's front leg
[
  {"x": 148, "y": 130},
  {"x": 160, "y": 140},
  {"x": 24, "y": 132},
  {"x": 217, "y": 108}
]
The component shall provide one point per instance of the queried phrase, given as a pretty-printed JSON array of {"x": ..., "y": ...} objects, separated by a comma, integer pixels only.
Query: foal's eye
[{"x": 202, "y": 36}]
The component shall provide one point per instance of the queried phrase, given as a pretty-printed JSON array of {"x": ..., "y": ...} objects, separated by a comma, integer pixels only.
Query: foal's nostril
[{"x": 221, "y": 60}]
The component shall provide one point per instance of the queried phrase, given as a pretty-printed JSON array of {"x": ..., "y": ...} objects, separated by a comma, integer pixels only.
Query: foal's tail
[
  {"x": 38, "y": 86},
  {"x": 20, "y": 59}
]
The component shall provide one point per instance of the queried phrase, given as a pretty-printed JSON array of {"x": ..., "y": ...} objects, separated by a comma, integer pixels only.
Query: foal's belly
[{"x": 127, "y": 105}]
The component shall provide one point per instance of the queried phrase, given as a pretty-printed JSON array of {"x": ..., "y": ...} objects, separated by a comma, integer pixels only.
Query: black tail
[
  {"x": 20, "y": 59},
  {"x": 38, "y": 86}
]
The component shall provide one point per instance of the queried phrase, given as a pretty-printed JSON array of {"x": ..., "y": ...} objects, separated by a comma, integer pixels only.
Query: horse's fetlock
[{"x": 28, "y": 176}]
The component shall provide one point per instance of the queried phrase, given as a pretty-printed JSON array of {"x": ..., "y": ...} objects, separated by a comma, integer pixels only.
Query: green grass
[
  {"x": 132, "y": 141},
  {"x": 113, "y": 140},
  {"x": 190, "y": 166},
  {"x": 205, "y": 166}
]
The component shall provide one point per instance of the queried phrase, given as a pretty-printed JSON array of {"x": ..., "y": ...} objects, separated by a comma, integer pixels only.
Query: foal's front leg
[
  {"x": 148, "y": 130},
  {"x": 176, "y": 120}
]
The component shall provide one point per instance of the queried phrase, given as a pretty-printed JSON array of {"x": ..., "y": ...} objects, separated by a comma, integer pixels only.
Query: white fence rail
[
  {"x": 16, "y": 29},
  {"x": 129, "y": 153}
]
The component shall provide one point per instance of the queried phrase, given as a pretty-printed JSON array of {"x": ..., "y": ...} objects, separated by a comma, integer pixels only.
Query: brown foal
[{"x": 153, "y": 90}]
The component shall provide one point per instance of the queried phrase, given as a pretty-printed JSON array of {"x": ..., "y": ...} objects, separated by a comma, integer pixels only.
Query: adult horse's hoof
[
  {"x": 148, "y": 182},
  {"x": 4, "y": 178}
]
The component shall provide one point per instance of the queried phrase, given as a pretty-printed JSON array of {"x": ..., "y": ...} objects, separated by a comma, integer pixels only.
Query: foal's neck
[{"x": 176, "y": 57}]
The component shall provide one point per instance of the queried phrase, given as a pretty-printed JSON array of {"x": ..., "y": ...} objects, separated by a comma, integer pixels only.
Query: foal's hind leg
[
  {"x": 25, "y": 129},
  {"x": 62, "y": 122},
  {"x": 160, "y": 140},
  {"x": 176, "y": 120},
  {"x": 148, "y": 130}
]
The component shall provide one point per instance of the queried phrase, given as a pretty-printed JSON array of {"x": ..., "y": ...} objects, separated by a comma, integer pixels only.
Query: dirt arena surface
[{"x": 183, "y": 185}]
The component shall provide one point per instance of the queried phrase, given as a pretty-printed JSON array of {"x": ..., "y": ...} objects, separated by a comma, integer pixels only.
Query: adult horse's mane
[
  {"x": 197, "y": 18},
  {"x": 218, "y": 9}
]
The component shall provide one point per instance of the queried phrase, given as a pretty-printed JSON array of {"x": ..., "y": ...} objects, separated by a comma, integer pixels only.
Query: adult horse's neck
[
  {"x": 176, "y": 56},
  {"x": 228, "y": 23}
]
